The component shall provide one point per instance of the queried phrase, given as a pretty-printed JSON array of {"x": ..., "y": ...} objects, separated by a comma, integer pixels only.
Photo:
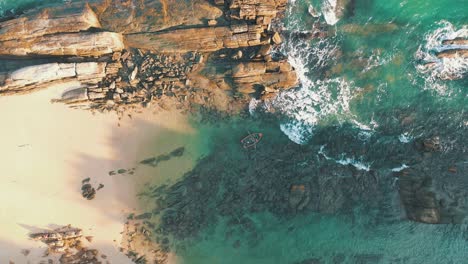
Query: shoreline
[{"x": 44, "y": 188}]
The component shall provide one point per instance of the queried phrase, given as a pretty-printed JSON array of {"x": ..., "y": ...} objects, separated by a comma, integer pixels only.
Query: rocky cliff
[{"x": 129, "y": 53}]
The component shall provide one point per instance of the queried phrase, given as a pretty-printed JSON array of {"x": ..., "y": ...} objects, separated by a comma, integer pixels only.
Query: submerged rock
[{"x": 273, "y": 179}]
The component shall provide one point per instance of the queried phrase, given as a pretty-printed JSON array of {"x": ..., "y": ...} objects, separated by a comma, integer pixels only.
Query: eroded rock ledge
[{"x": 217, "y": 55}]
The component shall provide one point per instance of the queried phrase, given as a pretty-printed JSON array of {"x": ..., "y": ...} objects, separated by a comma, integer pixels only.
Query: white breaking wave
[
  {"x": 310, "y": 104},
  {"x": 253, "y": 105},
  {"x": 365, "y": 135},
  {"x": 297, "y": 132},
  {"x": 445, "y": 31},
  {"x": 405, "y": 138},
  {"x": 441, "y": 68},
  {"x": 315, "y": 101},
  {"x": 329, "y": 11},
  {"x": 355, "y": 163},
  {"x": 402, "y": 167},
  {"x": 343, "y": 160}
]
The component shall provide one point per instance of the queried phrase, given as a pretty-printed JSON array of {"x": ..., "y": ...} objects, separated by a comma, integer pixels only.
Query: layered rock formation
[
  {"x": 450, "y": 60},
  {"x": 87, "y": 74},
  {"x": 57, "y": 32},
  {"x": 200, "y": 39},
  {"x": 108, "y": 61}
]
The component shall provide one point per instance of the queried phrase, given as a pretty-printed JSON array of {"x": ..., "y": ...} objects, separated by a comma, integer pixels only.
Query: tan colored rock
[
  {"x": 57, "y": 31},
  {"x": 275, "y": 75},
  {"x": 246, "y": 89},
  {"x": 247, "y": 75},
  {"x": 250, "y": 10},
  {"x": 41, "y": 76},
  {"x": 456, "y": 41},
  {"x": 270, "y": 90},
  {"x": 49, "y": 21},
  {"x": 453, "y": 53},
  {"x": 68, "y": 44},
  {"x": 153, "y": 15},
  {"x": 264, "y": 50},
  {"x": 276, "y": 38},
  {"x": 248, "y": 69},
  {"x": 212, "y": 22},
  {"x": 197, "y": 39},
  {"x": 95, "y": 96},
  {"x": 161, "y": 26}
]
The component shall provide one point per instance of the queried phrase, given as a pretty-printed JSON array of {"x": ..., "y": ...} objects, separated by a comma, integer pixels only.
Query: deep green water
[
  {"x": 357, "y": 99},
  {"x": 368, "y": 91}
]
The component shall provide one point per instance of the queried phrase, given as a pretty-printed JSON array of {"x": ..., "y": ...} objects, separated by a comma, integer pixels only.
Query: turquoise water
[
  {"x": 364, "y": 92},
  {"x": 359, "y": 86},
  {"x": 380, "y": 43},
  {"x": 335, "y": 240},
  {"x": 15, "y": 6}
]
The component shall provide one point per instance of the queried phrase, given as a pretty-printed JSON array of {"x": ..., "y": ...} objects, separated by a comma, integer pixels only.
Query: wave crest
[{"x": 435, "y": 68}]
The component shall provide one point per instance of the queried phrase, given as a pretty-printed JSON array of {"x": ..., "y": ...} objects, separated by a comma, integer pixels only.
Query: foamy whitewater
[
  {"x": 405, "y": 138},
  {"x": 328, "y": 11},
  {"x": 441, "y": 69},
  {"x": 315, "y": 101},
  {"x": 358, "y": 163}
]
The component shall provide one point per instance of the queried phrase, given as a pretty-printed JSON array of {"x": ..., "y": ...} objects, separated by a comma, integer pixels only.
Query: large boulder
[
  {"x": 57, "y": 32},
  {"x": 133, "y": 16},
  {"x": 41, "y": 76}
]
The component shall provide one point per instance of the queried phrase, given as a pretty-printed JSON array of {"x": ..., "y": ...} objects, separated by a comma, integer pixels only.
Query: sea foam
[
  {"x": 328, "y": 11},
  {"x": 358, "y": 163},
  {"x": 314, "y": 101},
  {"x": 441, "y": 68}
]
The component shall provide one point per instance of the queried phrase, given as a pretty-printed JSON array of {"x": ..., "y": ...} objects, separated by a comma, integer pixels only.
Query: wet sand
[{"x": 48, "y": 149}]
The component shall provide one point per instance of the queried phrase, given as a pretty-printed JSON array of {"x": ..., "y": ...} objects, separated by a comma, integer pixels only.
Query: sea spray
[
  {"x": 437, "y": 70},
  {"x": 358, "y": 163},
  {"x": 311, "y": 104},
  {"x": 405, "y": 137},
  {"x": 328, "y": 11},
  {"x": 402, "y": 167},
  {"x": 315, "y": 99}
]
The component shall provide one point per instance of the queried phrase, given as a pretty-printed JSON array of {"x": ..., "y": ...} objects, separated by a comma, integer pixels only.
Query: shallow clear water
[
  {"x": 13, "y": 6},
  {"x": 374, "y": 82},
  {"x": 335, "y": 240}
]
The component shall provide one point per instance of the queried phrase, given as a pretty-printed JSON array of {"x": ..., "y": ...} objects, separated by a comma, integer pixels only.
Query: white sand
[{"x": 46, "y": 150}]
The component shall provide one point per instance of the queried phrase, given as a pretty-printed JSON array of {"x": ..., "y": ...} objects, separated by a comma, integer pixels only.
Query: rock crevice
[{"x": 221, "y": 53}]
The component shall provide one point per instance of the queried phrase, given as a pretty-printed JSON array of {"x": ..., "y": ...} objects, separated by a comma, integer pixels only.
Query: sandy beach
[{"x": 48, "y": 149}]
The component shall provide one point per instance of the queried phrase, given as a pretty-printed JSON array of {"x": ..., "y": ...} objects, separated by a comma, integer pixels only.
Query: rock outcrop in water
[
  {"x": 194, "y": 51},
  {"x": 450, "y": 60},
  {"x": 278, "y": 177},
  {"x": 285, "y": 179},
  {"x": 334, "y": 10}
]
